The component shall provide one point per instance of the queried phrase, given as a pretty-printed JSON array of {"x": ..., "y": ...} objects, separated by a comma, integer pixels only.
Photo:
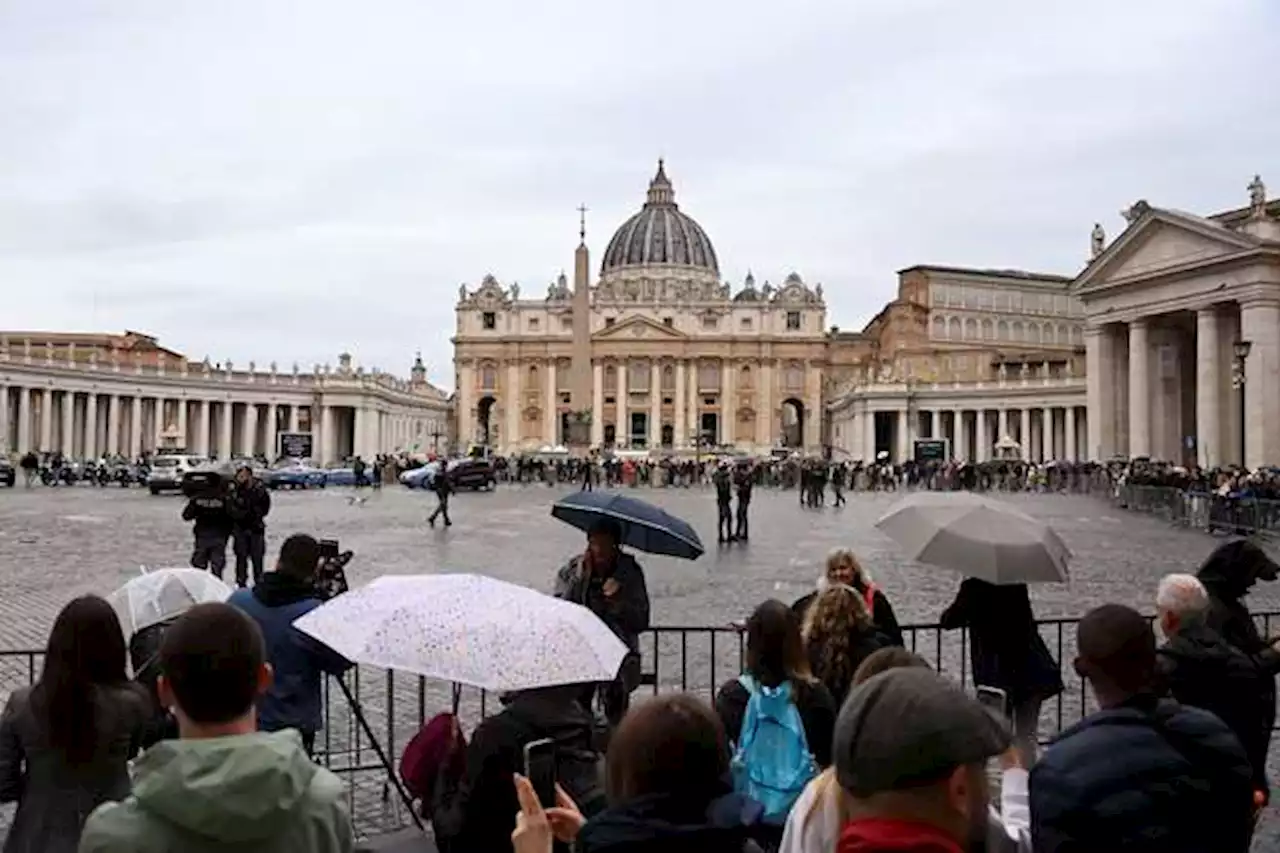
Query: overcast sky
[{"x": 261, "y": 179}]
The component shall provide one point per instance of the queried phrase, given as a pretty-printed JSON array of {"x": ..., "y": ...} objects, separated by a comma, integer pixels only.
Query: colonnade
[{"x": 1041, "y": 433}]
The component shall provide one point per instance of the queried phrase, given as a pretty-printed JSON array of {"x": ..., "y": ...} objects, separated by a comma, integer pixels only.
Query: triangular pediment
[
  {"x": 638, "y": 327},
  {"x": 1159, "y": 242}
]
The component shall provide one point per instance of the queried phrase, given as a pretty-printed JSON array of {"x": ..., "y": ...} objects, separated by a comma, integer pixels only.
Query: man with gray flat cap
[{"x": 911, "y": 751}]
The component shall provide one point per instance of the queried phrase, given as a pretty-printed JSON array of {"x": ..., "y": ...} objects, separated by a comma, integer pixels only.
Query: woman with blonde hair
[
  {"x": 838, "y": 636},
  {"x": 844, "y": 568}
]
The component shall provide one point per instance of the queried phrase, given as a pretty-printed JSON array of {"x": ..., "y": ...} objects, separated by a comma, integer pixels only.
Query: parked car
[
  {"x": 295, "y": 474},
  {"x": 422, "y": 477},
  {"x": 8, "y": 474},
  {"x": 471, "y": 474},
  {"x": 341, "y": 474},
  {"x": 167, "y": 472}
]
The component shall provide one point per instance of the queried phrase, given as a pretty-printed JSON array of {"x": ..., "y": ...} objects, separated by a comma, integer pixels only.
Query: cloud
[{"x": 284, "y": 181}]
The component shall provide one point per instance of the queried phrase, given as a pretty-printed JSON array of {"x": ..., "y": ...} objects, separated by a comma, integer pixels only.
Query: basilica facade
[{"x": 655, "y": 351}]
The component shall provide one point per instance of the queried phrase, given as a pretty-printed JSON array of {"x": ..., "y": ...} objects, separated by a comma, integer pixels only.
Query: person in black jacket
[
  {"x": 839, "y": 635},
  {"x": 1201, "y": 670},
  {"x": 443, "y": 488},
  {"x": 208, "y": 509},
  {"x": 744, "y": 483},
  {"x": 480, "y": 813},
  {"x": 611, "y": 584},
  {"x": 1007, "y": 652},
  {"x": 724, "y": 502},
  {"x": 248, "y": 504},
  {"x": 1142, "y": 774}
]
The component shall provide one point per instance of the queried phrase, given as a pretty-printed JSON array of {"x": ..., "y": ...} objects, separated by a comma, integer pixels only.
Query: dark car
[
  {"x": 8, "y": 475},
  {"x": 472, "y": 474}
]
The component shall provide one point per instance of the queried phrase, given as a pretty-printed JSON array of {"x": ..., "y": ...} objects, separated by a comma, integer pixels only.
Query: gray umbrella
[{"x": 977, "y": 537}]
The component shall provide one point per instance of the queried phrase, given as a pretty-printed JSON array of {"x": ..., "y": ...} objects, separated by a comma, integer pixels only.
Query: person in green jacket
[{"x": 224, "y": 786}]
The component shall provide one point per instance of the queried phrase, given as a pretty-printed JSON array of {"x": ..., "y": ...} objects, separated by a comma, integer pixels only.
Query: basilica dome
[{"x": 660, "y": 235}]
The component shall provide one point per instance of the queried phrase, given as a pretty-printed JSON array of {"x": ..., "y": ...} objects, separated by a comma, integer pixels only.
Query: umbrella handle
[
  {"x": 358, "y": 711},
  {"x": 457, "y": 698}
]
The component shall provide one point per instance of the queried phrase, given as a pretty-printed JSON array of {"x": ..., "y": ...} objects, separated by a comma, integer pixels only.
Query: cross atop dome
[{"x": 660, "y": 190}]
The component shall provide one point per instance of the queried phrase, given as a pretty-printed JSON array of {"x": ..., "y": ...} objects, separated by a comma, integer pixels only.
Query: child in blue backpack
[{"x": 778, "y": 717}]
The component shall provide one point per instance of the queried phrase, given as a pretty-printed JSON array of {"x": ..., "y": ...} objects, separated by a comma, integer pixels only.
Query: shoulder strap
[{"x": 869, "y": 596}]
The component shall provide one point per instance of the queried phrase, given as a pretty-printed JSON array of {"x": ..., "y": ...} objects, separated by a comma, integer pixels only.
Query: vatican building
[{"x": 654, "y": 351}]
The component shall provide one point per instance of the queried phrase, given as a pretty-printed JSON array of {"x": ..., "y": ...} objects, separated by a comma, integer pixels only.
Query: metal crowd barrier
[
  {"x": 1244, "y": 516},
  {"x": 695, "y": 659}
]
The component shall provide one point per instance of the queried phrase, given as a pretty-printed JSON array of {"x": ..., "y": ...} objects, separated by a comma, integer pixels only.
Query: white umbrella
[
  {"x": 470, "y": 629},
  {"x": 977, "y": 537},
  {"x": 156, "y": 596}
]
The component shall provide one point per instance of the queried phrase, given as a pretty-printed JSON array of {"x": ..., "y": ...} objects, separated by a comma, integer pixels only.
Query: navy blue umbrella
[{"x": 645, "y": 527}]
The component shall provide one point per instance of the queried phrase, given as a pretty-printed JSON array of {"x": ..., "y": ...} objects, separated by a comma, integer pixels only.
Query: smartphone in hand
[{"x": 540, "y": 769}]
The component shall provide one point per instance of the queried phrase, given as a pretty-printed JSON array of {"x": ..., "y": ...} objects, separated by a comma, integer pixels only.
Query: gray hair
[{"x": 1183, "y": 595}]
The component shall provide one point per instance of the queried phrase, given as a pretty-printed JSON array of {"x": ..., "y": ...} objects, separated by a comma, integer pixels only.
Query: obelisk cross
[{"x": 582, "y": 222}]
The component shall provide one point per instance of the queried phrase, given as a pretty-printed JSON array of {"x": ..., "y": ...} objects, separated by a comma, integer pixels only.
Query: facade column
[
  {"x": 551, "y": 412},
  {"x": 1208, "y": 390},
  {"x": 228, "y": 413},
  {"x": 184, "y": 425},
  {"x": 961, "y": 450},
  {"x": 727, "y": 407},
  {"x": 90, "y": 425},
  {"x": 135, "y": 428},
  {"x": 935, "y": 424},
  {"x": 249, "y": 437},
  {"x": 1024, "y": 433},
  {"x": 464, "y": 405},
  {"x": 294, "y": 411},
  {"x": 359, "y": 432},
  {"x": 655, "y": 405},
  {"x": 1046, "y": 434},
  {"x": 903, "y": 435},
  {"x": 273, "y": 420},
  {"x": 1002, "y": 424},
  {"x": 1070, "y": 453},
  {"x": 326, "y": 444},
  {"x": 868, "y": 437},
  {"x": 68, "y": 437},
  {"x": 597, "y": 404},
  {"x": 46, "y": 419},
  {"x": 764, "y": 407},
  {"x": 1260, "y": 326},
  {"x": 679, "y": 427},
  {"x": 980, "y": 435},
  {"x": 24, "y": 420},
  {"x": 695, "y": 422},
  {"x": 113, "y": 424},
  {"x": 1139, "y": 389},
  {"x": 512, "y": 429},
  {"x": 202, "y": 428},
  {"x": 6, "y": 440},
  {"x": 622, "y": 416},
  {"x": 159, "y": 422},
  {"x": 1100, "y": 392}
]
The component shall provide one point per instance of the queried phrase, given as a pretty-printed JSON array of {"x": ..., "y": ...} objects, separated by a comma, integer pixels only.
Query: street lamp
[{"x": 1240, "y": 352}]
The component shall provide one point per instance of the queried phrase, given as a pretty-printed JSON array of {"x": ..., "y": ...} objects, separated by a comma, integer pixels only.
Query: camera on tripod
[{"x": 331, "y": 574}]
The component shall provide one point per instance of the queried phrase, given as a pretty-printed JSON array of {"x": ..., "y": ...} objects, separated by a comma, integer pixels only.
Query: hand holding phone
[
  {"x": 540, "y": 769},
  {"x": 994, "y": 699}
]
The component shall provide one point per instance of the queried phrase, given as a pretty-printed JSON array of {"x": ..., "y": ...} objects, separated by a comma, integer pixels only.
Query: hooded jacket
[
  {"x": 255, "y": 792},
  {"x": 1201, "y": 670},
  {"x": 726, "y": 823}
]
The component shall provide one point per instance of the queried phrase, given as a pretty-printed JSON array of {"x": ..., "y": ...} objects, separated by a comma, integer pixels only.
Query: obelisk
[{"x": 580, "y": 378}]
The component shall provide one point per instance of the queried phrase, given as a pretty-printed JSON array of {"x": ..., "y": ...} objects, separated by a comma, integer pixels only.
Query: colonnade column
[
  {"x": 622, "y": 417},
  {"x": 904, "y": 437},
  {"x": 980, "y": 434},
  {"x": 202, "y": 428},
  {"x": 1260, "y": 326},
  {"x": 1069, "y": 452},
  {"x": 359, "y": 432},
  {"x": 184, "y": 426},
  {"x": 961, "y": 450},
  {"x": 695, "y": 422},
  {"x": 224, "y": 442},
  {"x": 1002, "y": 425},
  {"x": 24, "y": 419},
  {"x": 135, "y": 428},
  {"x": 327, "y": 444},
  {"x": 597, "y": 405},
  {"x": 550, "y": 414},
  {"x": 90, "y": 425},
  {"x": 1208, "y": 390},
  {"x": 249, "y": 437},
  {"x": 1046, "y": 434},
  {"x": 6, "y": 440},
  {"x": 46, "y": 419},
  {"x": 727, "y": 407},
  {"x": 1024, "y": 433},
  {"x": 655, "y": 405},
  {"x": 935, "y": 424},
  {"x": 68, "y": 442},
  {"x": 113, "y": 424},
  {"x": 679, "y": 427},
  {"x": 1139, "y": 389},
  {"x": 293, "y": 418}
]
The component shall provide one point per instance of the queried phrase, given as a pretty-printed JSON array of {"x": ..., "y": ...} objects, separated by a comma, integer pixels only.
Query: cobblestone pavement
[{"x": 59, "y": 543}]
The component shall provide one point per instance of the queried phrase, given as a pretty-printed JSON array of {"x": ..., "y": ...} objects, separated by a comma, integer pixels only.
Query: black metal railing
[
  {"x": 1240, "y": 515},
  {"x": 696, "y": 659}
]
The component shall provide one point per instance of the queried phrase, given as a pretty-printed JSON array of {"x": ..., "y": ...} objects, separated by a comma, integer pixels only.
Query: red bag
[{"x": 438, "y": 750}]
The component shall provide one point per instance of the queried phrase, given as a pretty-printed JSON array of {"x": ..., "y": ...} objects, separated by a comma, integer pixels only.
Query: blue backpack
[{"x": 772, "y": 763}]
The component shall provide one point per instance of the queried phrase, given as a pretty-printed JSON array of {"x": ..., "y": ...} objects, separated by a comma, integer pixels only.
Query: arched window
[
  {"x": 1033, "y": 333},
  {"x": 1002, "y": 331},
  {"x": 1062, "y": 334},
  {"x": 939, "y": 327},
  {"x": 988, "y": 331},
  {"x": 610, "y": 376},
  {"x": 970, "y": 329},
  {"x": 533, "y": 376},
  {"x": 954, "y": 329},
  {"x": 488, "y": 377},
  {"x": 744, "y": 377},
  {"x": 668, "y": 378},
  {"x": 1077, "y": 336},
  {"x": 1019, "y": 334}
]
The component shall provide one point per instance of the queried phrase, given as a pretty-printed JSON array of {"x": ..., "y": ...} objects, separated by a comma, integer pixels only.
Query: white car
[{"x": 167, "y": 472}]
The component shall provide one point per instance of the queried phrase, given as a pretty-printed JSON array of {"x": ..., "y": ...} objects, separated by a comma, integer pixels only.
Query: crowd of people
[{"x": 833, "y": 738}]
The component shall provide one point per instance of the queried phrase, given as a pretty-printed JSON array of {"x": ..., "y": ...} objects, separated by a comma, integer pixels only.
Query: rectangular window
[
  {"x": 609, "y": 321},
  {"x": 793, "y": 320},
  {"x": 489, "y": 320},
  {"x": 746, "y": 324},
  {"x": 669, "y": 322},
  {"x": 710, "y": 322},
  {"x": 708, "y": 401},
  {"x": 566, "y": 324},
  {"x": 533, "y": 324}
]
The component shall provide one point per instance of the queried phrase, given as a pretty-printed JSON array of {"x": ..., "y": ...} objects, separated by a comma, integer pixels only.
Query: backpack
[
  {"x": 772, "y": 763},
  {"x": 437, "y": 753}
]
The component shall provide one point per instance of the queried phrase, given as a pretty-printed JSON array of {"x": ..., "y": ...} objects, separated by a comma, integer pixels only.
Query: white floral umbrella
[
  {"x": 469, "y": 629},
  {"x": 161, "y": 594}
]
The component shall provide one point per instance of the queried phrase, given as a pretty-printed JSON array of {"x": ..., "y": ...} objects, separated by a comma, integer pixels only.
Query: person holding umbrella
[{"x": 611, "y": 584}]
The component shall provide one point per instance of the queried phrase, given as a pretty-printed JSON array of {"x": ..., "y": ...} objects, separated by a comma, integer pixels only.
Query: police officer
[
  {"x": 744, "y": 483},
  {"x": 208, "y": 509},
  {"x": 248, "y": 505},
  {"x": 724, "y": 500}
]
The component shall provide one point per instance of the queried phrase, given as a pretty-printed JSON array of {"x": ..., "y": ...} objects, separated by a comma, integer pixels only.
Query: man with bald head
[
  {"x": 1142, "y": 773},
  {"x": 1201, "y": 669}
]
